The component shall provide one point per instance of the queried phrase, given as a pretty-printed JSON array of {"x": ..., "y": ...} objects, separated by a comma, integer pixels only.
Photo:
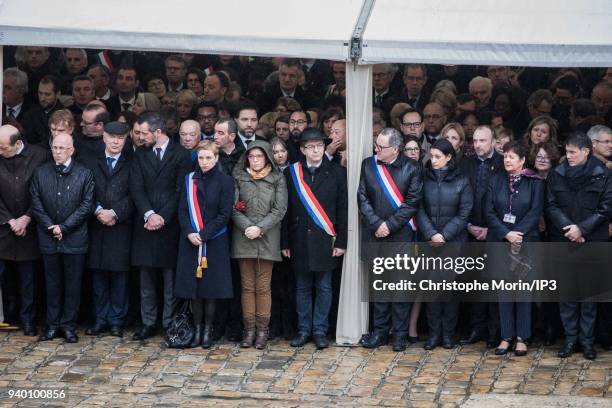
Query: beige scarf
[{"x": 258, "y": 175}]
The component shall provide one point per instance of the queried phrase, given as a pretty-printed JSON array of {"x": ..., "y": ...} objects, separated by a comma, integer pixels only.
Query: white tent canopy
[
  {"x": 563, "y": 33},
  {"x": 486, "y": 32}
]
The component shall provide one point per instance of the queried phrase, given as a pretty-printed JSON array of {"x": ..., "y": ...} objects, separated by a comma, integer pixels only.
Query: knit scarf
[{"x": 258, "y": 175}]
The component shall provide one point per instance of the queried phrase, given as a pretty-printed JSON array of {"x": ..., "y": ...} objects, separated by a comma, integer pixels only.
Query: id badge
[{"x": 509, "y": 218}]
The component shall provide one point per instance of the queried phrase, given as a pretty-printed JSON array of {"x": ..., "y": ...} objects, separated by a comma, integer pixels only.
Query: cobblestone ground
[{"x": 106, "y": 371}]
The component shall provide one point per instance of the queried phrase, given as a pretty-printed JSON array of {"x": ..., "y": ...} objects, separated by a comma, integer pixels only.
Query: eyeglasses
[
  {"x": 297, "y": 122},
  {"x": 207, "y": 117},
  {"x": 256, "y": 156},
  {"x": 605, "y": 142},
  {"x": 411, "y": 124},
  {"x": 412, "y": 149},
  {"x": 379, "y": 147},
  {"x": 380, "y": 74},
  {"x": 315, "y": 147},
  {"x": 542, "y": 158}
]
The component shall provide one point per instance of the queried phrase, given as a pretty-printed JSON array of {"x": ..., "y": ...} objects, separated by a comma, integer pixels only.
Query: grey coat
[{"x": 266, "y": 206}]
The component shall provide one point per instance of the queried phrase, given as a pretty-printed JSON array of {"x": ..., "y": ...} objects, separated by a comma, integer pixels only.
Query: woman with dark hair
[
  {"x": 514, "y": 204},
  {"x": 541, "y": 130},
  {"x": 543, "y": 158},
  {"x": 328, "y": 118},
  {"x": 508, "y": 102},
  {"x": 261, "y": 195},
  {"x": 203, "y": 272},
  {"x": 442, "y": 218}
]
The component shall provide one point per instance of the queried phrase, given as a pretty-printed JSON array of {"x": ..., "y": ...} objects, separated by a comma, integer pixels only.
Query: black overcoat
[
  {"x": 311, "y": 246},
  {"x": 15, "y": 176},
  {"x": 156, "y": 186},
  {"x": 109, "y": 247},
  {"x": 215, "y": 191}
]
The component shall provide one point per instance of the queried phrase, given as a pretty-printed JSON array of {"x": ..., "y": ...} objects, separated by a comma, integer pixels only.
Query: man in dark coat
[
  {"x": 62, "y": 200},
  {"x": 479, "y": 169},
  {"x": 385, "y": 225},
  {"x": 579, "y": 206},
  {"x": 314, "y": 251},
  {"x": 111, "y": 232},
  {"x": 18, "y": 241},
  {"x": 157, "y": 173},
  {"x": 229, "y": 150},
  {"x": 36, "y": 120},
  {"x": 88, "y": 144}
]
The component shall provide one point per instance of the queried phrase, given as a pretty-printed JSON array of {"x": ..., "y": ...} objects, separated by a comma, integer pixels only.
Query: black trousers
[
  {"x": 63, "y": 275},
  {"x": 111, "y": 296},
  {"x": 485, "y": 318},
  {"x": 393, "y": 316},
  {"x": 442, "y": 318},
  {"x": 579, "y": 321},
  {"x": 25, "y": 275}
]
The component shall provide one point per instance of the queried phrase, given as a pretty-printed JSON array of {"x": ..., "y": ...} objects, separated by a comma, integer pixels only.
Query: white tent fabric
[
  {"x": 563, "y": 33},
  {"x": 352, "y": 312},
  {"x": 313, "y": 29}
]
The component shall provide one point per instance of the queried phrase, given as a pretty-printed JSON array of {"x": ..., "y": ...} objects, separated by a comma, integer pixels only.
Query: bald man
[
  {"x": 18, "y": 242},
  {"x": 190, "y": 136},
  {"x": 334, "y": 150},
  {"x": 62, "y": 194}
]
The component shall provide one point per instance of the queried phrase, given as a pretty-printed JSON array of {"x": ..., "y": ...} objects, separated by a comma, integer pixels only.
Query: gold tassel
[
  {"x": 199, "y": 272},
  {"x": 204, "y": 263}
]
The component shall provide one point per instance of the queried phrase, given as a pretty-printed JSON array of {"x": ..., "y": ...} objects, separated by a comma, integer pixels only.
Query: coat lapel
[{"x": 167, "y": 157}]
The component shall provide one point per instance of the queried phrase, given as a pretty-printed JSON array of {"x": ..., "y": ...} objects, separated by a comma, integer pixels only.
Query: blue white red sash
[
  {"x": 197, "y": 222},
  {"x": 390, "y": 188},
  {"x": 308, "y": 199}
]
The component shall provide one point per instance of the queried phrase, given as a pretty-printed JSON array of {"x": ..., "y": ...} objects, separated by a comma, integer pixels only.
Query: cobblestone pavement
[{"x": 107, "y": 371}]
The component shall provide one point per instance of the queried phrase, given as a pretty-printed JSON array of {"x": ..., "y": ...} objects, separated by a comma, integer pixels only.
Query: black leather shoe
[
  {"x": 299, "y": 340},
  {"x": 474, "y": 337},
  {"x": 49, "y": 334},
  {"x": 502, "y": 351},
  {"x": 70, "y": 336},
  {"x": 413, "y": 339},
  {"x": 567, "y": 350},
  {"x": 448, "y": 343},
  {"x": 234, "y": 336},
  {"x": 197, "y": 338},
  {"x": 96, "y": 330},
  {"x": 116, "y": 331},
  {"x": 30, "y": 330},
  {"x": 375, "y": 340},
  {"x": 144, "y": 333},
  {"x": 398, "y": 344},
  {"x": 207, "y": 339},
  {"x": 432, "y": 343},
  {"x": 589, "y": 352},
  {"x": 321, "y": 342},
  {"x": 492, "y": 342},
  {"x": 517, "y": 352}
]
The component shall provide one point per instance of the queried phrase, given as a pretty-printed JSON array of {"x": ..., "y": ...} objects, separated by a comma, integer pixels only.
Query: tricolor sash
[
  {"x": 390, "y": 188},
  {"x": 310, "y": 202},
  {"x": 197, "y": 222}
]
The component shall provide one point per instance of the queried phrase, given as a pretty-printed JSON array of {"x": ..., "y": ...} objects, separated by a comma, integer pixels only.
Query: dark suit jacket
[
  {"x": 155, "y": 186},
  {"x": 267, "y": 101}
]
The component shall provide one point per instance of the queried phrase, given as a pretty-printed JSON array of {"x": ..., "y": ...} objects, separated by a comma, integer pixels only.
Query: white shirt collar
[
  {"x": 115, "y": 156},
  {"x": 164, "y": 146},
  {"x": 67, "y": 163},
  {"x": 131, "y": 101},
  {"x": 106, "y": 96},
  {"x": 16, "y": 109}
]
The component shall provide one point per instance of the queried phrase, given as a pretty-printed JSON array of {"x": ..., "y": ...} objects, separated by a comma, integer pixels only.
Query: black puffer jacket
[
  {"x": 65, "y": 199},
  {"x": 585, "y": 201},
  {"x": 447, "y": 203},
  {"x": 374, "y": 205}
]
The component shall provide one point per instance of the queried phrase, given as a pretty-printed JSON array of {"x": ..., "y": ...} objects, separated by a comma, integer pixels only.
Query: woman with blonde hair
[{"x": 146, "y": 101}]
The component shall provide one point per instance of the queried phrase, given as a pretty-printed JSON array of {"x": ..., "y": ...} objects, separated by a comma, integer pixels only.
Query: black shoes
[
  {"x": 567, "y": 350},
  {"x": 29, "y": 330},
  {"x": 398, "y": 344},
  {"x": 96, "y": 330},
  {"x": 432, "y": 343},
  {"x": 207, "y": 337},
  {"x": 144, "y": 333},
  {"x": 517, "y": 352},
  {"x": 70, "y": 336},
  {"x": 116, "y": 331},
  {"x": 299, "y": 340},
  {"x": 374, "y": 340},
  {"x": 197, "y": 338},
  {"x": 49, "y": 334},
  {"x": 589, "y": 352},
  {"x": 474, "y": 337},
  {"x": 502, "y": 351},
  {"x": 413, "y": 339},
  {"x": 448, "y": 343},
  {"x": 320, "y": 341}
]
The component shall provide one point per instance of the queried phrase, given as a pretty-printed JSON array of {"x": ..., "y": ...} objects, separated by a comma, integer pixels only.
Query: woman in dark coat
[
  {"x": 204, "y": 275},
  {"x": 442, "y": 218},
  {"x": 514, "y": 204}
]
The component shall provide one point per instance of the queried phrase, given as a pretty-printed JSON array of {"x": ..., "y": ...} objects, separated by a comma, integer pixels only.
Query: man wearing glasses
[
  {"x": 386, "y": 208},
  {"x": 601, "y": 136},
  {"x": 208, "y": 114},
  {"x": 89, "y": 144},
  {"x": 382, "y": 76},
  {"x": 62, "y": 193},
  {"x": 412, "y": 125}
]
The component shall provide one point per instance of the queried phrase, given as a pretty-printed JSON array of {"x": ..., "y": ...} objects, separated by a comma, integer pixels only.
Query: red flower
[{"x": 241, "y": 206}]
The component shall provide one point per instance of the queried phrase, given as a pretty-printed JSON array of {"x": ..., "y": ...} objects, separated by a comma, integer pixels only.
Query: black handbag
[{"x": 181, "y": 331}]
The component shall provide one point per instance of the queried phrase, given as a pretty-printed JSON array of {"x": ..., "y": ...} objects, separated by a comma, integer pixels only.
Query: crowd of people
[{"x": 221, "y": 180}]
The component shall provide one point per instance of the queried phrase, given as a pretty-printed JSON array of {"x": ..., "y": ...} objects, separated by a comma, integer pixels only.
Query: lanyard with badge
[{"x": 509, "y": 217}]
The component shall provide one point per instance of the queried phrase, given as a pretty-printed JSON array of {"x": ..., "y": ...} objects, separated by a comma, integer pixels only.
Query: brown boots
[
  {"x": 248, "y": 336},
  {"x": 262, "y": 332}
]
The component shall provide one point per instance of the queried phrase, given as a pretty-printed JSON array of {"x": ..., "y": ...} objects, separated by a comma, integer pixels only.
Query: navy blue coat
[{"x": 215, "y": 191}]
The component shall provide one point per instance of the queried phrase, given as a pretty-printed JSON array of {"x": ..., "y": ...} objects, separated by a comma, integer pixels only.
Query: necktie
[
  {"x": 247, "y": 142},
  {"x": 126, "y": 106},
  {"x": 312, "y": 170},
  {"x": 158, "y": 151},
  {"x": 378, "y": 100},
  {"x": 412, "y": 103},
  {"x": 11, "y": 113},
  {"x": 109, "y": 163}
]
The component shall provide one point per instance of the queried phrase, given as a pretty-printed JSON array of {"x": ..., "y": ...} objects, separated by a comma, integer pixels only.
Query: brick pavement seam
[
  {"x": 333, "y": 368},
  {"x": 535, "y": 363},
  {"x": 449, "y": 362},
  {"x": 421, "y": 364},
  {"x": 558, "y": 372},
  {"x": 580, "y": 377}
]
